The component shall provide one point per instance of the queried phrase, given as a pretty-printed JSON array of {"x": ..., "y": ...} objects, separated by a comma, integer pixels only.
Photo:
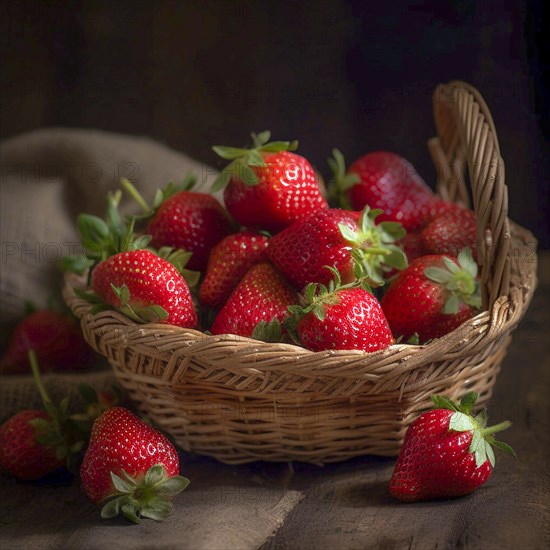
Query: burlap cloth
[{"x": 48, "y": 177}]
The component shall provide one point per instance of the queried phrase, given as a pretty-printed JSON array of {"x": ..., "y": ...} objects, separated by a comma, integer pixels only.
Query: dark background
[{"x": 353, "y": 75}]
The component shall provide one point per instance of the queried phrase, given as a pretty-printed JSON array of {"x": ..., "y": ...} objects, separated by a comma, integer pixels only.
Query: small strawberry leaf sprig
[
  {"x": 243, "y": 158},
  {"x": 341, "y": 180},
  {"x": 373, "y": 247}
]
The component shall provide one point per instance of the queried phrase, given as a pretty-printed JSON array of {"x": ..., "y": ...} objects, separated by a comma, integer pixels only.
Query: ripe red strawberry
[
  {"x": 229, "y": 260},
  {"x": 56, "y": 339},
  {"x": 339, "y": 317},
  {"x": 268, "y": 186},
  {"x": 145, "y": 287},
  {"x": 387, "y": 181},
  {"x": 34, "y": 442},
  {"x": 21, "y": 455},
  {"x": 132, "y": 464},
  {"x": 184, "y": 219},
  {"x": 351, "y": 242},
  {"x": 446, "y": 452},
  {"x": 262, "y": 295},
  {"x": 433, "y": 296},
  {"x": 450, "y": 233}
]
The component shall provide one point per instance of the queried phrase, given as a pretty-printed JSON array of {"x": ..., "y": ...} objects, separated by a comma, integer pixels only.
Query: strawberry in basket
[
  {"x": 228, "y": 262},
  {"x": 131, "y": 467},
  {"x": 387, "y": 181},
  {"x": 447, "y": 452},
  {"x": 450, "y": 232},
  {"x": 262, "y": 295},
  {"x": 184, "y": 219},
  {"x": 268, "y": 186},
  {"x": 351, "y": 242},
  {"x": 339, "y": 317},
  {"x": 433, "y": 296},
  {"x": 145, "y": 285}
]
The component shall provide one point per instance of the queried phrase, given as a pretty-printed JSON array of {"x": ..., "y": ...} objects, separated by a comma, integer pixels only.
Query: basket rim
[{"x": 485, "y": 327}]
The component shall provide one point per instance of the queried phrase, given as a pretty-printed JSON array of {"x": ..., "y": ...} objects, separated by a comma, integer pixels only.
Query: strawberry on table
[
  {"x": 229, "y": 260},
  {"x": 37, "y": 442},
  {"x": 385, "y": 180},
  {"x": 145, "y": 287},
  {"x": 56, "y": 340},
  {"x": 339, "y": 317},
  {"x": 132, "y": 466},
  {"x": 433, "y": 296},
  {"x": 268, "y": 186},
  {"x": 262, "y": 295},
  {"x": 447, "y": 452},
  {"x": 184, "y": 219},
  {"x": 351, "y": 242}
]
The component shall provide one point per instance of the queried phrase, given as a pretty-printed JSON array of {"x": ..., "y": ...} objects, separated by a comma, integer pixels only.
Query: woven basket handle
[{"x": 466, "y": 133}]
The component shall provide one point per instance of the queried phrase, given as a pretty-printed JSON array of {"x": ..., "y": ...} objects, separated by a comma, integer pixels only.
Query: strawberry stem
[
  {"x": 496, "y": 428},
  {"x": 36, "y": 373},
  {"x": 135, "y": 194}
]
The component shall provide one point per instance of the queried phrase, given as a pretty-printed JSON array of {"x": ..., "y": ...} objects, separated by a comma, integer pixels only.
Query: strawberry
[
  {"x": 35, "y": 442},
  {"x": 56, "y": 339},
  {"x": 21, "y": 454},
  {"x": 433, "y": 296},
  {"x": 184, "y": 219},
  {"x": 446, "y": 452},
  {"x": 131, "y": 465},
  {"x": 339, "y": 317},
  {"x": 387, "y": 181},
  {"x": 229, "y": 260},
  {"x": 261, "y": 295},
  {"x": 145, "y": 287},
  {"x": 450, "y": 232},
  {"x": 268, "y": 186},
  {"x": 349, "y": 241}
]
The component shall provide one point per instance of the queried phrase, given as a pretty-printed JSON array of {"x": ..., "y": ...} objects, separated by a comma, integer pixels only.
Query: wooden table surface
[{"x": 347, "y": 505}]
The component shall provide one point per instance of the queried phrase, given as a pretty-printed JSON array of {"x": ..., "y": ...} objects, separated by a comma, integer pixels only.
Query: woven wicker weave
[{"x": 241, "y": 400}]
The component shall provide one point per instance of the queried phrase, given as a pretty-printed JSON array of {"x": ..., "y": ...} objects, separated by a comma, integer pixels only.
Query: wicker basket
[{"x": 241, "y": 400}]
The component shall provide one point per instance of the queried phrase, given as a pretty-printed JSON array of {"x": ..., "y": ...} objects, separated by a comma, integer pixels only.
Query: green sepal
[
  {"x": 147, "y": 496},
  {"x": 151, "y": 313},
  {"x": 373, "y": 247},
  {"x": 459, "y": 280},
  {"x": 179, "y": 259},
  {"x": 268, "y": 331},
  {"x": 242, "y": 159},
  {"x": 340, "y": 182},
  {"x": 462, "y": 421}
]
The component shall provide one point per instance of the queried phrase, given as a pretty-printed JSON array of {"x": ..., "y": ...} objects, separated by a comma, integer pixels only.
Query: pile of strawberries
[{"x": 392, "y": 263}]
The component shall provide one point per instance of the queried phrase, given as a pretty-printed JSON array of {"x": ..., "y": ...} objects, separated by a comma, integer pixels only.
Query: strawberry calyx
[
  {"x": 242, "y": 159},
  {"x": 340, "y": 181},
  {"x": 149, "y": 496},
  {"x": 102, "y": 238},
  {"x": 483, "y": 438},
  {"x": 161, "y": 195},
  {"x": 460, "y": 280},
  {"x": 373, "y": 247},
  {"x": 316, "y": 297},
  {"x": 268, "y": 331}
]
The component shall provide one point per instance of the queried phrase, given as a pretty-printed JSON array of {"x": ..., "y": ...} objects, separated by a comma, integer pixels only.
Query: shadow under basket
[{"x": 241, "y": 400}]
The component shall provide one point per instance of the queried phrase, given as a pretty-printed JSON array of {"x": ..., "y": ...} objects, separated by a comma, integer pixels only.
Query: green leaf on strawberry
[
  {"x": 243, "y": 158},
  {"x": 460, "y": 280},
  {"x": 149, "y": 496}
]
